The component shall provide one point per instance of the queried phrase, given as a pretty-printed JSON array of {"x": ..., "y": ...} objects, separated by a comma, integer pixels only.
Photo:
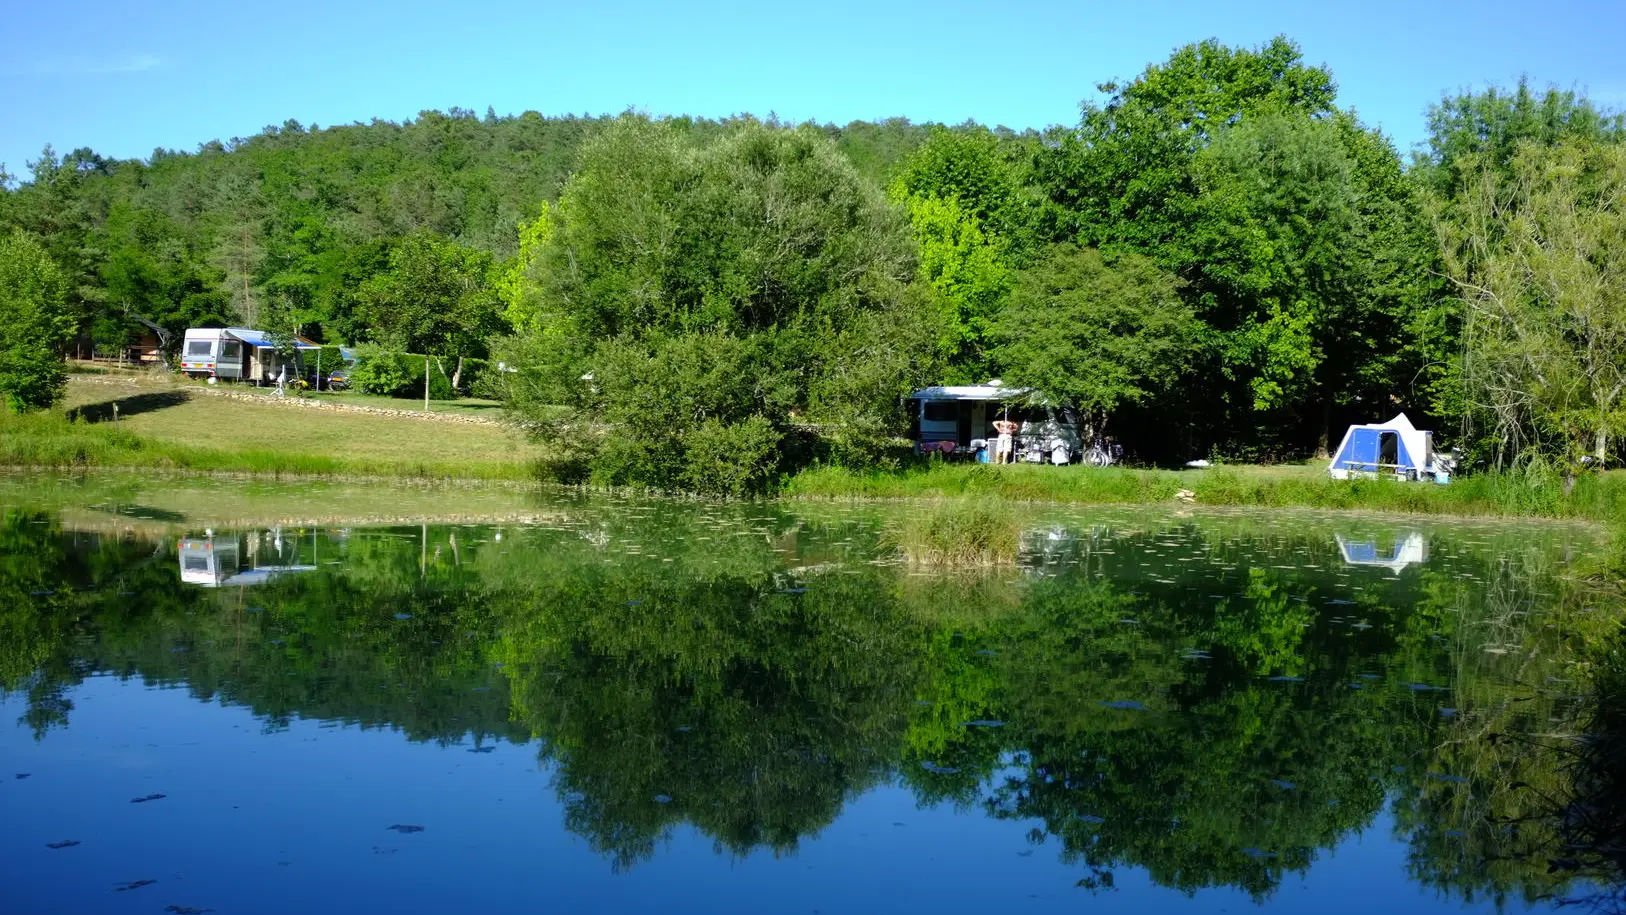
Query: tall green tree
[
  {"x": 1470, "y": 134},
  {"x": 435, "y": 298},
  {"x": 513, "y": 280},
  {"x": 970, "y": 209},
  {"x": 1277, "y": 216},
  {"x": 1316, "y": 267},
  {"x": 59, "y": 208},
  {"x": 1470, "y": 131},
  {"x": 1123, "y": 176},
  {"x": 1097, "y": 335},
  {"x": 153, "y": 269},
  {"x": 970, "y": 166},
  {"x": 696, "y": 297},
  {"x": 1299, "y": 244},
  {"x": 968, "y": 269},
  {"x": 1539, "y": 261},
  {"x": 35, "y": 324}
]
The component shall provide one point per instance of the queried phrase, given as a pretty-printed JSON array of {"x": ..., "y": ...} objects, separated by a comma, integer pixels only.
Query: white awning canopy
[
  {"x": 259, "y": 339},
  {"x": 993, "y": 390}
]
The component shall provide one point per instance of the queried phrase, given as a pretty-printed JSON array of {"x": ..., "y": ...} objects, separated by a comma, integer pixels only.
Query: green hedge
[{"x": 400, "y": 375}]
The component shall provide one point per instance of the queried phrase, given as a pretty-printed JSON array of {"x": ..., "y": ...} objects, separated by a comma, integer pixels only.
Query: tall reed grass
[{"x": 961, "y": 533}]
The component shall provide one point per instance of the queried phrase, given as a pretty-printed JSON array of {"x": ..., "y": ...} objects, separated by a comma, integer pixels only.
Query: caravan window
[
  {"x": 940, "y": 411},
  {"x": 199, "y": 347},
  {"x": 231, "y": 348}
]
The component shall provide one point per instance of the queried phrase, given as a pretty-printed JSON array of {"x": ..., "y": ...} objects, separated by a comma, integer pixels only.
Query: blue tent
[{"x": 1395, "y": 447}]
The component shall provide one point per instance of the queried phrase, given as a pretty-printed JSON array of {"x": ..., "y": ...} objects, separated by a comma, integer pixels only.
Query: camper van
[
  {"x": 212, "y": 353},
  {"x": 958, "y": 419}
]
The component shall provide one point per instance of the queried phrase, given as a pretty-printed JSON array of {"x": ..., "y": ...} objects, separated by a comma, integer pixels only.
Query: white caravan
[
  {"x": 212, "y": 352},
  {"x": 238, "y": 354}
]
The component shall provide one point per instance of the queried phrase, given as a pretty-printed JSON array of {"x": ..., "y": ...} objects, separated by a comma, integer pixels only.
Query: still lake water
[{"x": 616, "y": 705}]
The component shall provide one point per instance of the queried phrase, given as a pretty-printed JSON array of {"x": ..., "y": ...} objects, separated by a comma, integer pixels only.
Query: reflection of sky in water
[{"x": 297, "y": 820}]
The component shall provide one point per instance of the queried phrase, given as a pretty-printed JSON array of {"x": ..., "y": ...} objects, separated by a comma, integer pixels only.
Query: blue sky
[{"x": 124, "y": 79}]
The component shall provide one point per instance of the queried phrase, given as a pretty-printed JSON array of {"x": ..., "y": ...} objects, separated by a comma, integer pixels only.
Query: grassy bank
[
  {"x": 162, "y": 426},
  {"x": 1526, "y": 494}
]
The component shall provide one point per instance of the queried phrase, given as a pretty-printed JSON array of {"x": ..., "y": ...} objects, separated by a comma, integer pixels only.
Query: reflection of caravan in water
[
  {"x": 234, "y": 559},
  {"x": 1407, "y": 550}
]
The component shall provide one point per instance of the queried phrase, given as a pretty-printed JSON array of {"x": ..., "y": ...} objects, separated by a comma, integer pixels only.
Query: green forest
[{"x": 1218, "y": 259}]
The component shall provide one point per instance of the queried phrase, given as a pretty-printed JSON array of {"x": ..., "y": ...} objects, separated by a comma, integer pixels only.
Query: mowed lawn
[{"x": 173, "y": 415}]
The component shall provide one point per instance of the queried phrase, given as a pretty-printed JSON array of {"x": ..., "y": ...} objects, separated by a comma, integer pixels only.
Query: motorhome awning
[
  {"x": 259, "y": 339},
  {"x": 990, "y": 391}
]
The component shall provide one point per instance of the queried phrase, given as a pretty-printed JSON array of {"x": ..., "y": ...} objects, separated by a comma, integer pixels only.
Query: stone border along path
[
  {"x": 313, "y": 404},
  {"x": 293, "y": 400}
]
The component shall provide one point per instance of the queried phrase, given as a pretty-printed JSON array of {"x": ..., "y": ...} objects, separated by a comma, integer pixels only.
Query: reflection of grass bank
[
  {"x": 961, "y": 533},
  {"x": 160, "y": 504},
  {"x": 1522, "y": 494}
]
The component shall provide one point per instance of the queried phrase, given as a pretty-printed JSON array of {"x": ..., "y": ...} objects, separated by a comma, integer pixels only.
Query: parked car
[{"x": 339, "y": 378}]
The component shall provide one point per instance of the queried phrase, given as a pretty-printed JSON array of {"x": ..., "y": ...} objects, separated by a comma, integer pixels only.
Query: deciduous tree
[
  {"x": 1096, "y": 335},
  {"x": 35, "y": 324},
  {"x": 1539, "y": 260}
]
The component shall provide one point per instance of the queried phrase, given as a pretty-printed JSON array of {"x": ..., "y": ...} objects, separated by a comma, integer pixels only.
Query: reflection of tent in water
[
  {"x": 236, "y": 559},
  {"x": 1407, "y": 550}
]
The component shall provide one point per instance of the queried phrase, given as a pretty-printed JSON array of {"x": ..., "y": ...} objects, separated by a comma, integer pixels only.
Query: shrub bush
[
  {"x": 731, "y": 459},
  {"x": 391, "y": 374}
]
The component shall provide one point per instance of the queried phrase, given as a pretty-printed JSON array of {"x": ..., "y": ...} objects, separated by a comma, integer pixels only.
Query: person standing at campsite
[{"x": 1004, "y": 445}]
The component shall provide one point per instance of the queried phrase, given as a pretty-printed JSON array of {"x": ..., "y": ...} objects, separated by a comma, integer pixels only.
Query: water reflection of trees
[
  {"x": 1185, "y": 699},
  {"x": 1592, "y": 814}
]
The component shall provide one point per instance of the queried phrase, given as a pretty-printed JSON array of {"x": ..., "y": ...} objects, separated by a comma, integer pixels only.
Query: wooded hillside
[{"x": 1219, "y": 258}]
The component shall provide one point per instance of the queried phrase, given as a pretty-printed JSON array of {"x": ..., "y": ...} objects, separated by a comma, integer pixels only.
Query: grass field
[
  {"x": 466, "y": 406},
  {"x": 164, "y": 424}
]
